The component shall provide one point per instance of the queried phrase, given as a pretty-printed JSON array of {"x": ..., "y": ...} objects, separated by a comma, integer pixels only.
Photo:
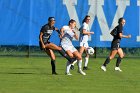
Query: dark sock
[
  {"x": 118, "y": 61},
  {"x": 66, "y": 56},
  {"x": 106, "y": 61},
  {"x": 53, "y": 65}
]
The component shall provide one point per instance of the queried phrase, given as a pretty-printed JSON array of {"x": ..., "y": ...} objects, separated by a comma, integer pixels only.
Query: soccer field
[{"x": 33, "y": 75}]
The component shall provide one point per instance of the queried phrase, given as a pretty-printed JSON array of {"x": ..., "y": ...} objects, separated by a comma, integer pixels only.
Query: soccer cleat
[
  {"x": 85, "y": 68},
  {"x": 72, "y": 67},
  {"x": 69, "y": 74},
  {"x": 54, "y": 73},
  {"x": 81, "y": 72},
  {"x": 118, "y": 69},
  {"x": 103, "y": 68}
]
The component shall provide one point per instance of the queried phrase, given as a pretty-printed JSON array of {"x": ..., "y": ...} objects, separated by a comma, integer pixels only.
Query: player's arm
[
  {"x": 120, "y": 29},
  {"x": 124, "y": 36},
  {"x": 61, "y": 32},
  {"x": 75, "y": 35},
  {"x": 57, "y": 30},
  {"x": 40, "y": 37},
  {"x": 86, "y": 33}
]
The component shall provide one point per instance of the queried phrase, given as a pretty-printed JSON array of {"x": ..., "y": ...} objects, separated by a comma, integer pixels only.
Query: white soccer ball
[{"x": 90, "y": 51}]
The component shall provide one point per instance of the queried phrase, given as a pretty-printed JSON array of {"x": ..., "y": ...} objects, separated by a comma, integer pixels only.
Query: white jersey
[
  {"x": 84, "y": 38},
  {"x": 66, "y": 41},
  {"x": 68, "y": 36}
]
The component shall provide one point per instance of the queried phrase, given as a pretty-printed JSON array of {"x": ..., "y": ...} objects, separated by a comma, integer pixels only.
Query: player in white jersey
[
  {"x": 67, "y": 34},
  {"x": 84, "y": 34}
]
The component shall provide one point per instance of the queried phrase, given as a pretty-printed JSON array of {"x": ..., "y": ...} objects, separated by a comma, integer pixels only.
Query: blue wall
[{"x": 21, "y": 20}]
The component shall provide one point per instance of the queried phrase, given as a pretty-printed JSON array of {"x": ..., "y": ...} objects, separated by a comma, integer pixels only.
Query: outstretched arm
[
  {"x": 124, "y": 36},
  {"x": 86, "y": 33}
]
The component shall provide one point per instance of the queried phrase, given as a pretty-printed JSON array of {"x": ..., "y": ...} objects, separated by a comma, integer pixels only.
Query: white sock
[
  {"x": 86, "y": 61},
  {"x": 68, "y": 67},
  {"x": 74, "y": 62},
  {"x": 79, "y": 64}
]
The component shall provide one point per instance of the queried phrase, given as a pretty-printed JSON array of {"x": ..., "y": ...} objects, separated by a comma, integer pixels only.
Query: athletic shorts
[
  {"x": 115, "y": 45},
  {"x": 84, "y": 44},
  {"x": 69, "y": 47},
  {"x": 40, "y": 45}
]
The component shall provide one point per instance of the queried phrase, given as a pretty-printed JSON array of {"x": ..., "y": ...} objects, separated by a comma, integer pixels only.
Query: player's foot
[
  {"x": 81, "y": 72},
  {"x": 85, "y": 68},
  {"x": 69, "y": 74},
  {"x": 118, "y": 69},
  {"x": 54, "y": 73},
  {"x": 72, "y": 67},
  {"x": 103, "y": 68}
]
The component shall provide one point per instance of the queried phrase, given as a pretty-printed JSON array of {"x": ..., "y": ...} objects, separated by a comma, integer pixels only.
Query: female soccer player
[
  {"x": 85, "y": 33},
  {"x": 115, "y": 45},
  {"x": 67, "y": 33},
  {"x": 47, "y": 46}
]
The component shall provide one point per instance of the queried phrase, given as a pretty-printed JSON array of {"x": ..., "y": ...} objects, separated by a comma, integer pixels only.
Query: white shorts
[
  {"x": 84, "y": 44},
  {"x": 69, "y": 47}
]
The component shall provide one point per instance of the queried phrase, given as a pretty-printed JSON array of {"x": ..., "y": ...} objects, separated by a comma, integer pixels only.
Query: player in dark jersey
[
  {"x": 45, "y": 34},
  {"x": 47, "y": 46},
  {"x": 117, "y": 34}
]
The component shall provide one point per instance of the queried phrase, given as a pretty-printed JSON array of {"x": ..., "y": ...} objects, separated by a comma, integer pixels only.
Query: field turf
[{"x": 33, "y": 75}]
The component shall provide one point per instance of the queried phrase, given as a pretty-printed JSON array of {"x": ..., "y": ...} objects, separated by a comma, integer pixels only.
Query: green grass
[{"x": 33, "y": 75}]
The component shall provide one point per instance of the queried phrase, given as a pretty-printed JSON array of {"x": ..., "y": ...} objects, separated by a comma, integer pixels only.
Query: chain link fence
[{"x": 28, "y": 51}]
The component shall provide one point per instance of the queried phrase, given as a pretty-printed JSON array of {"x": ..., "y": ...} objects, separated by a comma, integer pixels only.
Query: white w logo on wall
[{"x": 96, "y": 10}]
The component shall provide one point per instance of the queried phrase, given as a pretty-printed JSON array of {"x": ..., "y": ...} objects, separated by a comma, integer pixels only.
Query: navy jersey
[
  {"x": 47, "y": 31},
  {"x": 119, "y": 30}
]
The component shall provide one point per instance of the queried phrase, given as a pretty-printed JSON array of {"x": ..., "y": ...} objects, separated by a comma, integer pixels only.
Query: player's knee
[
  {"x": 122, "y": 56},
  {"x": 111, "y": 57},
  {"x": 71, "y": 56},
  {"x": 59, "y": 48},
  {"x": 53, "y": 58},
  {"x": 79, "y": 57}
]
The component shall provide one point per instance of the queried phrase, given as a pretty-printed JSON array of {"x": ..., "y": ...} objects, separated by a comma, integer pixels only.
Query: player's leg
[
  {"x": 86, "y": 57},
  {"x": 67, "y": 49},
  {"x": 86, "y": 61},
  {"x": 79, "y": 58},
  {"x": 68, "y": 65},
  {"x": 121, "y": 55},
  {"x": 52, "y": 46},
  {"x": 52, "y": 56},
  {"x": 81, "y": 50},
  {"x": 64, "y": 54},
  {"x": 114, "y": 50},
  {"x": 60, "y": 50},
  {"x": 112, "y": 55}
]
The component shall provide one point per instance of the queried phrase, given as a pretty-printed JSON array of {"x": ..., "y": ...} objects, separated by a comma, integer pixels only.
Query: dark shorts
[
  {"x": 40, "y": 45},
  {"x": 115, "y": 45}
]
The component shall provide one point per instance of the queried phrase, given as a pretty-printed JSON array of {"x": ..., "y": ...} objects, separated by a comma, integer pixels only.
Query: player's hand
[
  {"x": 60, "y": 36},
  {"x": 129, "y": 36},
  {"x": 73, "y": 31},
  {"x": 56, "y": 29},
  {"x": 91, "y": 32}
]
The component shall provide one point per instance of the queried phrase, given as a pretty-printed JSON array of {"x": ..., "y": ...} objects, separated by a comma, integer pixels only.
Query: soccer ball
[{"x": 90, "y": 51}]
